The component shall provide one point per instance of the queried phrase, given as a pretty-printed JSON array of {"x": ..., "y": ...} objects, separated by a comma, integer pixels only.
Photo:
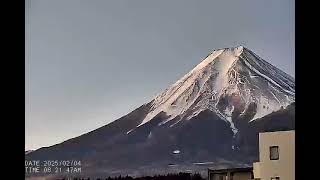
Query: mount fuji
[{"x": 210, "y": 117}]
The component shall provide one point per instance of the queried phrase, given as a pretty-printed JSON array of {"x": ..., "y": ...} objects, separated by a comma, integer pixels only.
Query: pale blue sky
[{"x": 91, "y": 62}]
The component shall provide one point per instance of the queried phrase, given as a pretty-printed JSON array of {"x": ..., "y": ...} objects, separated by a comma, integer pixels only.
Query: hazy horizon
[{"x": 89, "y": 63}]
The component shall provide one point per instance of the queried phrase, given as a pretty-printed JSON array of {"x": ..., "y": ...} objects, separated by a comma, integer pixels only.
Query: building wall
[
  {"x": 256, "y": 170},
  {"x": 217, "y": 176},
  {"x": 242, "y": 176},
  {"x": 285, "y": 166},
  {"x": 236, "y": 176}
]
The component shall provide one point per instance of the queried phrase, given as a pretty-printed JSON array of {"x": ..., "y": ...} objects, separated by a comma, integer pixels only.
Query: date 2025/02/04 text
[{"x": 65, "y": 166}]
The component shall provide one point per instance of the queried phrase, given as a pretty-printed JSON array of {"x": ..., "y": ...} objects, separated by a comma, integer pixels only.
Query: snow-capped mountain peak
[
  {"x": 227, "y": 81},
  {"x": 200, "y": 121}
]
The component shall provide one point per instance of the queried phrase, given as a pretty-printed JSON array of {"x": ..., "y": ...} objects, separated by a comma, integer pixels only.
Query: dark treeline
[{"x": 180, "y": 176}]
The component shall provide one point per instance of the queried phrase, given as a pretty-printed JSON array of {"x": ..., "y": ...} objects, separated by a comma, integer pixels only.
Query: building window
[
  {"x": 231, "y": 175},
  {"x": 274, "y": 152},
  {"x": 275, "y": 178}
]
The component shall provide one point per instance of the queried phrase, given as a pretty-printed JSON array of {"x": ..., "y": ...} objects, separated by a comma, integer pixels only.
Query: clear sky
[{"x": 91, "y": 62}]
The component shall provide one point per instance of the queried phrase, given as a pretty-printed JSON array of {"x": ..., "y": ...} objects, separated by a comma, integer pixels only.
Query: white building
[{"x": 276, "y": 155}]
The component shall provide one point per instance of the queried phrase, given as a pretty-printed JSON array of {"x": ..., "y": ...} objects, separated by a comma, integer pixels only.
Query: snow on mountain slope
[
  {"x": 227, "y": 81},
  {"x": 200, "y": 121}
]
